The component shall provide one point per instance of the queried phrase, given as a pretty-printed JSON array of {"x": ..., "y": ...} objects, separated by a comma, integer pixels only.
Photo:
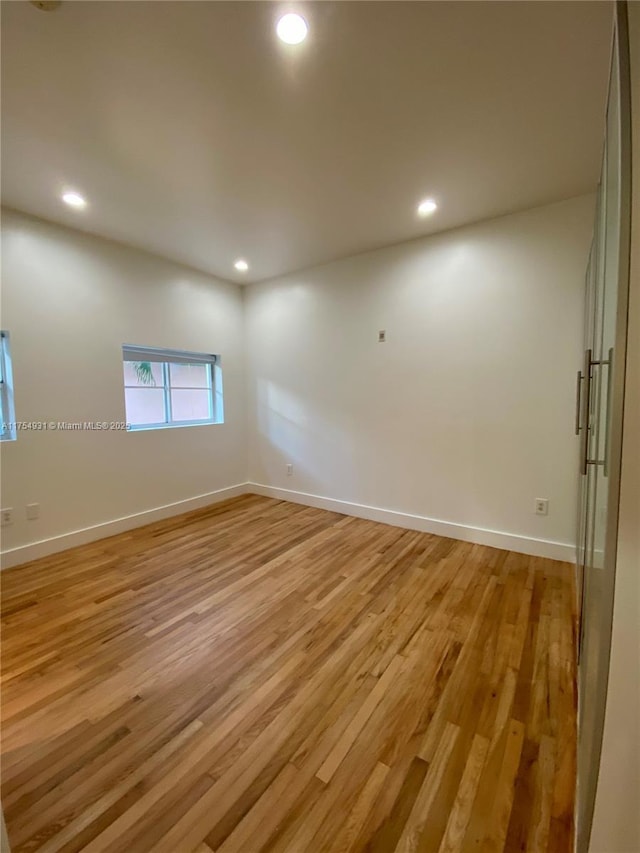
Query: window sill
[{"x": 154, "y": 428}]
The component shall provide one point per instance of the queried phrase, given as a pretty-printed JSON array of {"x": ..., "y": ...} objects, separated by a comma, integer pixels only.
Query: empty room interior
[{"x": 320, "y": 451}]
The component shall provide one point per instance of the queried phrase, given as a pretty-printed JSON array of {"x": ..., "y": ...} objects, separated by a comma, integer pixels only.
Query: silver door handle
[
  {"x": 589, "y": 363},
  {"x": 609, "y": 364},
  {"x": 584, "y": 443},
  {"x": 578, "y": 389}
]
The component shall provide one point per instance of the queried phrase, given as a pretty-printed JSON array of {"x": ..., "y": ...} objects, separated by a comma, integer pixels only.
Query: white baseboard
[
  {"x": 481, "y": 536},
  {"x": 450, "y": 529},
  {"x": 35, "y": 550}
]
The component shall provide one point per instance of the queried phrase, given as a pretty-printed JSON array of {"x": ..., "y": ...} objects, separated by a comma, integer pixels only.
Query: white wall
[
  {"x": 69, "y": 302},
  {"x": 616, "y": 820},
  {"x": 466, "y": 413}
]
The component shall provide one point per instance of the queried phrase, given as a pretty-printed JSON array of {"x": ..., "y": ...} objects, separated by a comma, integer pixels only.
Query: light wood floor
[{"x": 265, "y": 676}]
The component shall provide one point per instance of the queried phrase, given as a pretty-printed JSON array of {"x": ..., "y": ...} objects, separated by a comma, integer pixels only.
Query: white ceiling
[{"x": 196, "y": 134}]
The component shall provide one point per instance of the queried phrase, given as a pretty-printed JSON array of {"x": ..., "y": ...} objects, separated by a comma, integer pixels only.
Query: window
[
  {"x": 7, "y": 415},
  {"x": 169, "y": 388}
]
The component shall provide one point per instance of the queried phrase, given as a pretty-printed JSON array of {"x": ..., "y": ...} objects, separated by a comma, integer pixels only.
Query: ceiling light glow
[
  {"x": 292, "y": 28},
  {"x": 427, "y": 207},
  {"x": 241, "y": 265},
  {"x": 73, "y": 199}
]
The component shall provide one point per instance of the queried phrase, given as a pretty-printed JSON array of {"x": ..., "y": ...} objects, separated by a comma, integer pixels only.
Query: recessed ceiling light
[
  {"x": 241, "y": 265},
  {"x": 292, "y": 28},
  {"x": 73, "y": 199},
  {"x": 427, "y": 207}
]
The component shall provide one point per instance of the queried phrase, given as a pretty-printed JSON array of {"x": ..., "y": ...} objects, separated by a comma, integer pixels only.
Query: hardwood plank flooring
[{"x": 262, "y": 676}]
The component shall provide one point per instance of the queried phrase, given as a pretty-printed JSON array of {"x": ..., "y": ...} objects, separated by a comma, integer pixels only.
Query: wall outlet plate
[
  {"x": 289, "y": 470},
  {"x": 6, "y": 516},
  {"x": 542, "y": 506},
  {"x": 33, "y": 511},
  {"x": 382, "y": 336}
]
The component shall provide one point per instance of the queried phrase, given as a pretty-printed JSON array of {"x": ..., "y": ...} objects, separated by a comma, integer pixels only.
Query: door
[{"x": 601, "y": 391}]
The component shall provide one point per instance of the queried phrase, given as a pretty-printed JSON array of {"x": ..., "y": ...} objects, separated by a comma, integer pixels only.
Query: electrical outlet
[
  {"x": 289, "y": 470},
  {"x": 33, "y": 511},
  {"x": 542, "y": 506},
  {"x": 382, "y": 336},
  {"x": 6, "y": 515}
]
